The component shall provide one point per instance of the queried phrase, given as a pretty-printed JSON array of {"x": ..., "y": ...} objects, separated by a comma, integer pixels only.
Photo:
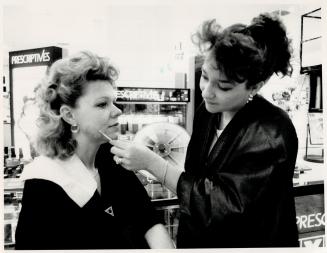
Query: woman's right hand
[{"x": 133, "y": 156}]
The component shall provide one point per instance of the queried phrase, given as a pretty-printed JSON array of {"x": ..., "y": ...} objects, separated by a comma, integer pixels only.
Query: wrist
[{"x": 156, "y": 167}]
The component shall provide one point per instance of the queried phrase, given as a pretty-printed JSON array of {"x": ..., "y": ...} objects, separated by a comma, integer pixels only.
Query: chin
[{"x": 212, "y": 109}]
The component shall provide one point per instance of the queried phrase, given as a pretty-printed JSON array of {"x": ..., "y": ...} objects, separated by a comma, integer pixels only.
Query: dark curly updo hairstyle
[
  {"x": 248, "y": 53},
  {"x": 63, "y": 85}
]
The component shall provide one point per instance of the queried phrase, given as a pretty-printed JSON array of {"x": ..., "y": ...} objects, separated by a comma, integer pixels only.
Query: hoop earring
[
  {"x": 74, "y": 129},
  {"x": 250, "y": 98}
]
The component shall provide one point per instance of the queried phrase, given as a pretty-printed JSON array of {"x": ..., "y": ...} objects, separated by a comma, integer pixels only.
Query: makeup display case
[
  {"x": 161, "y": 119},
  {"x": 26, "y": 69},
  {"x": 158, "y": 118},
  {"x": 309, "y": 184},
  {"x": 311, "y": 65}
]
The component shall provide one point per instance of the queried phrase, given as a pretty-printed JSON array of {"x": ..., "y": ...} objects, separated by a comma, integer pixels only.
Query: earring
[
  {"x": 74, "y": 128},
  {"x": 250, "y": 98}
]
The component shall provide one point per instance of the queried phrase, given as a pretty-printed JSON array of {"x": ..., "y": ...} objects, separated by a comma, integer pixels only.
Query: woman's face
[
  {"x": 219, "y": 93},
  {"x": 95, "y": 110}
]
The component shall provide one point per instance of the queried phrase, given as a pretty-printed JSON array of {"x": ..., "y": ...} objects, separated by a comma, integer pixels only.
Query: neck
[
  {"x": 86, "y": 151},
  {"x": 226, "y": 117}
]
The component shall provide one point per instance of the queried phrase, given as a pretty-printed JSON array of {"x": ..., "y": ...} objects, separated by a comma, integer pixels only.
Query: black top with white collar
[{"x": 116, "y": 219}]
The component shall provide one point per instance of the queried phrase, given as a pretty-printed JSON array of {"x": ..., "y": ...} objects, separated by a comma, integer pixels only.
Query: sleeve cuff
[{"x": 184, "y": 190}]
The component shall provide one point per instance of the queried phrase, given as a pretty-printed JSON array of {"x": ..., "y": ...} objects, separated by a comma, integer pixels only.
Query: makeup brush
[{"x": 105, "y": 135}]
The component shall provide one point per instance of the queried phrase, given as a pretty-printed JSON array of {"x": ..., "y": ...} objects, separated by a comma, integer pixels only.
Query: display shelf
[
  {"x": 312, "y": 173},
  {"x": 311, "y": 41},
  {"x": 164, "y": 203},
  {"x": 13, "y": 184},
  {"x": 309, "y": 189},
  {"x": 311, "y": 65}
]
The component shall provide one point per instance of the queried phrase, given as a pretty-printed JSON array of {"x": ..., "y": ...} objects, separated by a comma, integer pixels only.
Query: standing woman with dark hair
[
  {"x": 75, "y": 196},
  {"x": 237, "y": 188}
]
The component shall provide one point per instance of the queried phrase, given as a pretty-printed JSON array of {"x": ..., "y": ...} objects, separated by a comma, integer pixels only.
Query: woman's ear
[
  {"x": 257, "y": 87},
  {"x": 67, "y": 114}
]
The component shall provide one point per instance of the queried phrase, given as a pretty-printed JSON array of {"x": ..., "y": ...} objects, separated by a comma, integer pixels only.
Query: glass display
[
  {"x": 311, "y": 40},
  {"x": 156, "y": 118},
  {"x": 171, "y": 218},
  {"x": 26, "y": 69},
  {"x": 28, "y": 78}
]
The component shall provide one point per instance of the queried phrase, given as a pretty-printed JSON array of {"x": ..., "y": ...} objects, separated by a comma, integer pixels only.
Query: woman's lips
[
  {"x": 114, "y": 125},
  {"x": 210, "y": 103}
]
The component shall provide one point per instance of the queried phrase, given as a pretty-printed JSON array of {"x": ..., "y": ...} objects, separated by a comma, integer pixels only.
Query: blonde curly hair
[{"x": 63, "y": 85}]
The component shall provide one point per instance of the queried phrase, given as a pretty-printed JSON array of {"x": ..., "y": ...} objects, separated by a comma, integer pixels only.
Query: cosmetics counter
[{"x": 308, "y": 191}]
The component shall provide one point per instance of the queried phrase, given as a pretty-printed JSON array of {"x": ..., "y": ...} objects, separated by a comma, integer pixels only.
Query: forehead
[
  {"x": 217, "y": 74},
  {"x": 209, "y": 60},
  {"x": 98, "y": 87},
  {"x": 210, "y": 65},
  {"x": 94, "y": 90}
]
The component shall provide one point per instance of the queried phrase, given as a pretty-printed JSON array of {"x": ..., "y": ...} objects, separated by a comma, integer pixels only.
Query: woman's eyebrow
[
  {"x": 224, "y": 80},
  {"x": 106, "y": 98},
  {"x": 103, "y": 97},
  {"x": 203, "y": 70}
]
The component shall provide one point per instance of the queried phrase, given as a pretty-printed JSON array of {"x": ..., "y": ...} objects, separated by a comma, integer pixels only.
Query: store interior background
[{"x": 149, "y": 41}]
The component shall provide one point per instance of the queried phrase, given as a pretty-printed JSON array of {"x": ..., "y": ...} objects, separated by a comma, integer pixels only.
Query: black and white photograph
[{"x": 164, "y": 125}]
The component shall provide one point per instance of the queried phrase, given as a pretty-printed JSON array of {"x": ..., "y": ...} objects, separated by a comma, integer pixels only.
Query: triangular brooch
[{"x": 110, "y": 211}]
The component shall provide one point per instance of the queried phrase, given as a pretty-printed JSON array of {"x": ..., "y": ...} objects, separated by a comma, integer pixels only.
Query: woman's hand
[
  {"x": 158, "y": 238},
  {"x": 132, "y": 155}
]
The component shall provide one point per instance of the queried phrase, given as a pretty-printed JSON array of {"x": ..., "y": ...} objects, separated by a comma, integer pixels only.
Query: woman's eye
[
  {"x": 102, "y": 105},
  {"x": 225, "y": 89},
  {"x": 222, "y": 86},
  {"x": 204, "y": 77},
  {"x": 218, "y": 85}
]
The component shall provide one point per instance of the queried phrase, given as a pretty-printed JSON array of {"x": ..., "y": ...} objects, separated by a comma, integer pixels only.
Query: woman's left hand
[{"x": 131, "y": 155}]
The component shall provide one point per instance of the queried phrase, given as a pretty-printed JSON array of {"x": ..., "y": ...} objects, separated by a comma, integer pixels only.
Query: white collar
[{"x": 71, "y": 174}]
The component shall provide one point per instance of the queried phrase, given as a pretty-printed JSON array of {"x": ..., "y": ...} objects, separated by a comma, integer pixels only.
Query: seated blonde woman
[{"x": 75, "y": 196}]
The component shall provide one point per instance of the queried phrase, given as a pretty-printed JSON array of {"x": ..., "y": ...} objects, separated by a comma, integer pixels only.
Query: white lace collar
[{"x": 71, "y": 174}]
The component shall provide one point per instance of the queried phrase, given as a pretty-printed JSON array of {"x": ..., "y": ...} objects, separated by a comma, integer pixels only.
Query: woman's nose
[
  {"x": 116, "y": 111},
  {"x": 207, "y": 91}
]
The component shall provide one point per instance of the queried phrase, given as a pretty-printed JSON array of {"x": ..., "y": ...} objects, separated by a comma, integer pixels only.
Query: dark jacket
[
  {"x": 241, "y": 195},
  {"x": 50, "y": 219}
]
